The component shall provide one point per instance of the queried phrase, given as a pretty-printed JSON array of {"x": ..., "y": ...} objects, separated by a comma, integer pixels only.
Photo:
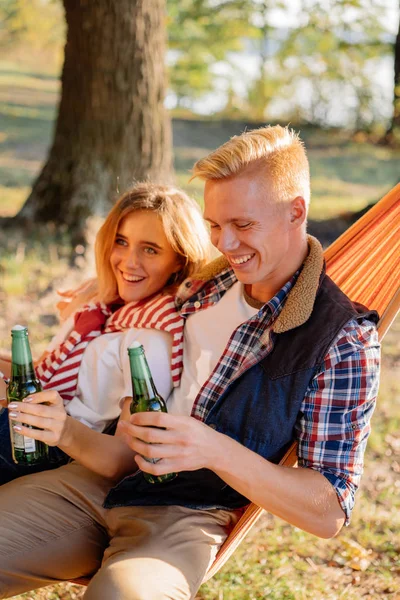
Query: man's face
[{"x": 252, "y": 231}]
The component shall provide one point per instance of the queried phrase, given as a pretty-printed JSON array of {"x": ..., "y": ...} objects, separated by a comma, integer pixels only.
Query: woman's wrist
[{"x": 68, "y": 436}]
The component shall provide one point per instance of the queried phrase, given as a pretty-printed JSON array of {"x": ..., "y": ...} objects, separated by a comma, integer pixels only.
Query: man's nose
[{"x": 227, "y": 240}]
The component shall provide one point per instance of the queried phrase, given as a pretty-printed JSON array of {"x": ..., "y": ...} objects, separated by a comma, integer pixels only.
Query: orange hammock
[{"x": 365, "y": 263}]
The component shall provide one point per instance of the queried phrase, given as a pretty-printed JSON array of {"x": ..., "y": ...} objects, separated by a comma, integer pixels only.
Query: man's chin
[{"x": 245, "y": 278}]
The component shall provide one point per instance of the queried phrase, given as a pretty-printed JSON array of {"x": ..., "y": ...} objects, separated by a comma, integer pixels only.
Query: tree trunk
[
  {"x": 112, "y": 127},
  {"x": 393, "y": 133}
]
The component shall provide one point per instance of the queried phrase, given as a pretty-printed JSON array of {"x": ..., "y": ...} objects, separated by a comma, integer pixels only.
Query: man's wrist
[{"x": 222, "y": 455}]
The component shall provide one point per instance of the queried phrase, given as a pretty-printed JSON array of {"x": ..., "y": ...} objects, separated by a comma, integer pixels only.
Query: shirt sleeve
[{"x": 334, "y": 421}]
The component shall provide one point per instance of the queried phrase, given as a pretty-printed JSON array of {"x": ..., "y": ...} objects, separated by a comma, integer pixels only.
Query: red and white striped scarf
[{"x": 59, "y": 370}]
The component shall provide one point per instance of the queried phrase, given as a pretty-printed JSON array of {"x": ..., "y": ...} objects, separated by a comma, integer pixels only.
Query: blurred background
[{"x": 96, "y": 95}]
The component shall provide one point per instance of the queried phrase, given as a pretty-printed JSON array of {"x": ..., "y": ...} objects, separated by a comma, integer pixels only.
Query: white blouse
[{"x": 104, "y": 375}]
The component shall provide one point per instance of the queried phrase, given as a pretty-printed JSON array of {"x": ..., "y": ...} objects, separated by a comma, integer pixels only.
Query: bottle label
[{"x": 24, "y": 443}]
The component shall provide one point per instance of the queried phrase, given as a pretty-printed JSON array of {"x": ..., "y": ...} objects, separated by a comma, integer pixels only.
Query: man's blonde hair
[{"x": 274, "y": 152}]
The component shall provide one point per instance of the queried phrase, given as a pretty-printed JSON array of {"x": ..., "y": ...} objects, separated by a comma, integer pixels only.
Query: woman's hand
[
  {"x": 182, "y": 444},
  {"x": 44, "y": 410},
  {"x": 5, "y": 369}
]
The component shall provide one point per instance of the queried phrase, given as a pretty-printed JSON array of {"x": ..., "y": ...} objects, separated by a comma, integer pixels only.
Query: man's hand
[
  {"x": 44, "y": 410},
  {"x": 181, "y": 443}
]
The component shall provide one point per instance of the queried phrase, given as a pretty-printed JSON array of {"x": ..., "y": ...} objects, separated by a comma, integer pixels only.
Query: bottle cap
[
  {"x": 19, "y": 330},
  {"x": 135, "y": 349}
]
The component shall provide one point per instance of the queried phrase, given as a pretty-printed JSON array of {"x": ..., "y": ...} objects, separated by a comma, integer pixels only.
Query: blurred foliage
[
  {"x": 262, "y": 90},
  {"x": 335, "y": 49},
  {"x": 319, "y": 64},
  {"x": 34, "y": 27},
  {"x": 200, "y": 34},
  {"x": 322, "y": 68}
]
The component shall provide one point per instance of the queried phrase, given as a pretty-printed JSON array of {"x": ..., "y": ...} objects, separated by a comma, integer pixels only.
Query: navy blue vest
[{"x": 259, "y": 409}]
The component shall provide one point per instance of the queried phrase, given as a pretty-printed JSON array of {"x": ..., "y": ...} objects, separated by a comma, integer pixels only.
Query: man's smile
[{"x": 240, "y": 260}]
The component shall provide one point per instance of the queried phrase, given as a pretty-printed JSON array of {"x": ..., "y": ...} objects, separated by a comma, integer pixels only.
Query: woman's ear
[{"x": 180, "y": 263}]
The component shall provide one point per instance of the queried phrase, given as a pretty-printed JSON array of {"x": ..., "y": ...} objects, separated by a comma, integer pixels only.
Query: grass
[{"x": 276, "y": 561}]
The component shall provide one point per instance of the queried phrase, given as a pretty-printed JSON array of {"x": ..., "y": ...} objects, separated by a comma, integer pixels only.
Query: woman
[{"x": 153, "y": 238}]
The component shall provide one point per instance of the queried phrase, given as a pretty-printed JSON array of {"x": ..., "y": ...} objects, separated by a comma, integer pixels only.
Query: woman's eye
[
  {"x": 120, "y": 242},
  {"x": 149, "y": 250}
]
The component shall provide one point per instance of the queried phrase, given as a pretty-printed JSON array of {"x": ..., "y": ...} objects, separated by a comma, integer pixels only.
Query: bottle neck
[
  {"x": 142, "y": 380},
  {"x": 21, "y": 359}
]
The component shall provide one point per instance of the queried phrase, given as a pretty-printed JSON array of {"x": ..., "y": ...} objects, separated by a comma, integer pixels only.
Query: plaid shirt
[{"x": 334, "y": 419}]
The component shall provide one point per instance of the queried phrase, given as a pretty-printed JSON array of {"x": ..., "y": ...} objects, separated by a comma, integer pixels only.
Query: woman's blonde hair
[
  {"x": 275, "y": 152},
  {"x": 182, "y": 222}
]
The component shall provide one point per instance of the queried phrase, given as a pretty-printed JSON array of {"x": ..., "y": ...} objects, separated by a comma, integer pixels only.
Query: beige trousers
[{"x": 53, "y": 528}]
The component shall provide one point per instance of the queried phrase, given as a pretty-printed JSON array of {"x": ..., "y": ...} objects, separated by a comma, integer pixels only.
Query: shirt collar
[
  {"x": 216, "y": 277},
  {"x": 195, "y": 295}
]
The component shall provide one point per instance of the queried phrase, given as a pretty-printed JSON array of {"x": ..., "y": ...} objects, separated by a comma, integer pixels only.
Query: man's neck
[{"x": 252, "y": 301}]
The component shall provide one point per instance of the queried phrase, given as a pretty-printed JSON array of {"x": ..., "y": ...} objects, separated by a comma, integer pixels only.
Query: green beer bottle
[
  {"x": 145, "y": 397},
  {"x": 23, "y": 382}
]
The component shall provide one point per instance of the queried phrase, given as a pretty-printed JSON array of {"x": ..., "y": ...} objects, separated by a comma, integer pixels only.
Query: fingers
[
  {"x": 49, "y": 418},
  {"x": 157, "y": 451},
  {"x": 181, "y": 443},
  {"x": 156, "y": 419},
  {"x": 48, "y": 404},
  {"x": 37, "y": 410},
  {"x": 50, "y": 397},
  {"x": 178, "y": 443},
  {"x": 162, "y": 467},
  {"x": 150, "y": 435},
  {"x": 28, "y": 419},
  {"x": 148, "y": 441},
  {"x": 41, "y": 435},
  {"x": 153, "y": 443}
]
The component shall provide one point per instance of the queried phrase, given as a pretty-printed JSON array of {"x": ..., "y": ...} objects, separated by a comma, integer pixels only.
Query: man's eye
[
  {"x": 214, "y": 226},
  {"x": 242, "y": 225}
]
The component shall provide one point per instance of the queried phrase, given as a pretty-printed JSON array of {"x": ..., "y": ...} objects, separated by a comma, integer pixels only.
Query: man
[{"x": 273, "y": 351}]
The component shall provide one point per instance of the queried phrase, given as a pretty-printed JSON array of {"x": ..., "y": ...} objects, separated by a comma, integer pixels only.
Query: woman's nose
[{"x": 132, "y": 260}]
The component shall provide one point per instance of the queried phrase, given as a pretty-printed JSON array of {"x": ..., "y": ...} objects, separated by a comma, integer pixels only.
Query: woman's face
[{"x": 142, "y": 259}]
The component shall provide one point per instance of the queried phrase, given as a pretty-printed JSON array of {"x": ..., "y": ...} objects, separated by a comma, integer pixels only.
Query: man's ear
[{"x": 298, "y": 212}]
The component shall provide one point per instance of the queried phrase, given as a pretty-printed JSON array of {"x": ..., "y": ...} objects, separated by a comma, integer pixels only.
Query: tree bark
[{"x": 112, "y": 127}]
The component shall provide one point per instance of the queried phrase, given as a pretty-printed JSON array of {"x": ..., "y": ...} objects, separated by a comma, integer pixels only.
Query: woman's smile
[{"x": 131, "y": 278}]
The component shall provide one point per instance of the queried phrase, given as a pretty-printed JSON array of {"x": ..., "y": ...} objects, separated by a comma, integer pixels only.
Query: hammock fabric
[{"x": 365, "y": 263}]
